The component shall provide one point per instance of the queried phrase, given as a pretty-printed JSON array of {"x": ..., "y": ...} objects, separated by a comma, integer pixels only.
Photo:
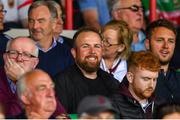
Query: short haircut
[
  {"x": 113, "y": 5},
  {"x": 54, "y": 3},
  {"x": 22, "y": 85},
  {"x": 166, "y": 109},
  {"x": 144, "y": 60},
  {"x": 36, "y": 51},
  {"x": 159, "y": 23},
  {"x": 50, "y": 6},
  {"x": 85, "y": 29},
  {"x": 125, "y": 35}
]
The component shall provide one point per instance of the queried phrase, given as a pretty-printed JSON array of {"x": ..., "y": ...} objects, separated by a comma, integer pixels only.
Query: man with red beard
[
  {"x": 161, "y": 40},
  {"x": 136, "y": 101},
  {"x": 85, "y": 77}
]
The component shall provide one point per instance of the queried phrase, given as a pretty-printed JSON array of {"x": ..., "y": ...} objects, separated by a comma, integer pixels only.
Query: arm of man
[
  {"x": 90, "y": 17},
  {"x": 89, "y": 12}
]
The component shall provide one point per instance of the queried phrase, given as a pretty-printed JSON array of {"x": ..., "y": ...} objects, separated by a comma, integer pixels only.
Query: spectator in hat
[{"x": 96, "y": 107}]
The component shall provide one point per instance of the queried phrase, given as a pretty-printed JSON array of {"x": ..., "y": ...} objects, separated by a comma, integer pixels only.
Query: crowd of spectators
[{"x": 115, "y": 66}]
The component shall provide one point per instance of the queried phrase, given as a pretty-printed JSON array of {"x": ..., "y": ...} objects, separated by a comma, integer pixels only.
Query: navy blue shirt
[
  {"x": 3, "y": 42},
  {"x": 56, "y": 59}
]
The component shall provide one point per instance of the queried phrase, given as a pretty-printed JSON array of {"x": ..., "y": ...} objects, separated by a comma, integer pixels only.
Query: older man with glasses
[
  {"x": 21, "y": 56},
  {"x": 130, "y": 11}
]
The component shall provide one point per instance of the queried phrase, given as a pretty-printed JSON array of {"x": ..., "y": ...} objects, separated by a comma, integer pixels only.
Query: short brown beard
[{"x": 88, "y": 67}]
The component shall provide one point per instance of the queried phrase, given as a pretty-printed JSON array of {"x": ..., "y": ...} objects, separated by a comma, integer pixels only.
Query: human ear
[
  {"x": 121, "y": 48},
  {"x": 147, "y": 44},
  {"x": 73, "y": 52},
  {"x": 130, "y": 77},
  {"x": 25, "y": 99}
]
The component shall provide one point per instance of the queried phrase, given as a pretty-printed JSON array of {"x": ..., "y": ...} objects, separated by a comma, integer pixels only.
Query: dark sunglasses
[{"x": 133, "y": 8}]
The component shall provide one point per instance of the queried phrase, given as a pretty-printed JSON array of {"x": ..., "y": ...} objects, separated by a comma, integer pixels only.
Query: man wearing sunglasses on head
[{"x": 131, "y": 11}]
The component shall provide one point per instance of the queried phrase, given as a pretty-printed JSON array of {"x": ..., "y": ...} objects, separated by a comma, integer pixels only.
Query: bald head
[
  {"x": 31, "y": 78},
  {"x": 23, "y": 43},
  {"x": 36, "y": 91}
]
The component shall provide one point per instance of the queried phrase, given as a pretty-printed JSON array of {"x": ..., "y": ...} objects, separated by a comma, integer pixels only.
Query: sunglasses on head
[{"x": 133, "y": 8}]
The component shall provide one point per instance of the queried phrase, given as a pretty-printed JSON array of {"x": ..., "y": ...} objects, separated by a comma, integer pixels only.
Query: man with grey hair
[
  {"x": 36, "y": 92},
  {"x": 59, "y": 25},
  {"x": 21, "y": 56},
  {"x": 42, "y": 20},
  {"x": 131, "y": 11}
]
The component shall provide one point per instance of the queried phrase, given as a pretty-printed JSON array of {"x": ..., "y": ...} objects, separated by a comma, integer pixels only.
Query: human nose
[
  {"x": 165, "y": 44},
  {"x": 50, "y": 92},
  {"x": 19, "y": 57},
  {"x": 36, "y": 25},
  {"x": 140, "y": 12},
  {"x": 152, "y": 83},
  {"x": 92, "y": 50},
  {"x": 61, "y": 21}
]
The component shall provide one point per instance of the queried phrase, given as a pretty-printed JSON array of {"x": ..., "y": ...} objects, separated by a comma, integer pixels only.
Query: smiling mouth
[{"x": 164, "y": 53}]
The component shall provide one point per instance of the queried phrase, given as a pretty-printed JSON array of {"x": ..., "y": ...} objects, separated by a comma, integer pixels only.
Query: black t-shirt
[{"x": 95, "y": 87}]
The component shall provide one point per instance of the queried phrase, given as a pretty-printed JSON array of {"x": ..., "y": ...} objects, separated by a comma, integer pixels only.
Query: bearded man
[{"x": 85, "y": 77}]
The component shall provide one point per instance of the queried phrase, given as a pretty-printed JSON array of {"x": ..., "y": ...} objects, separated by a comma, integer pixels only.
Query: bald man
[{"x": 36, "y": 91}]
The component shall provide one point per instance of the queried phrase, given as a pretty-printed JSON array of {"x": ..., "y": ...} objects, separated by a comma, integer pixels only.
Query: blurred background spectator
[
  {"x": 167, "y": 111},
  {"x": 16, "y": 16},
  {"x": 96, "y": 107},
  {"x": 95, "y": 12},
  {"x": 168, "y": 9}
]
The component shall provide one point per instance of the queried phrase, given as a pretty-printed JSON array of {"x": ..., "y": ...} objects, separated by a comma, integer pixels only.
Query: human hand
[{"x": 12, "y": 69}]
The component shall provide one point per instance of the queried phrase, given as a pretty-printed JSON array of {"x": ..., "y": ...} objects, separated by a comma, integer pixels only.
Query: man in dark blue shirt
[
  {"x": 42, "y": 21},
  {"x": 161, "y": 40}
]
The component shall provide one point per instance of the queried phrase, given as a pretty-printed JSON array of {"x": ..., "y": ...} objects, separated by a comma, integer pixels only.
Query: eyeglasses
[
  {"x": 107, "y": 44},
  {"x": 13, "y": 54},
  {"x": 133, "y": 8},
  {"x": 3, "y": 11}
]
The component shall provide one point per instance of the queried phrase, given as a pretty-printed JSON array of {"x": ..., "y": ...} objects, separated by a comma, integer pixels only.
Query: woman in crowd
[{"x": 116, "y": 48}]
